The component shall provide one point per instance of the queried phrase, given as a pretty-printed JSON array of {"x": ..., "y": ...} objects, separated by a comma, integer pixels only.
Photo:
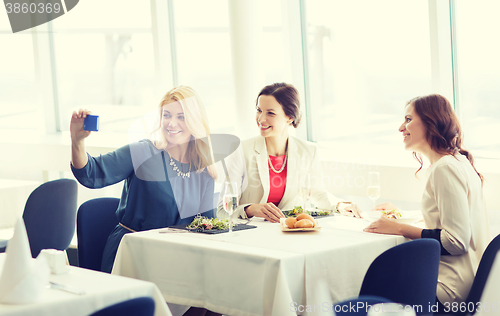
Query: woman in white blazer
[
  {"x": 272, "y": 166},
  {"x": 452, "y": 203}
]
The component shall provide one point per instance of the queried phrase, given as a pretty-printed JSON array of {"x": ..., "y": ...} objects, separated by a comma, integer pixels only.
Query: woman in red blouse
[{"x": 277, "y": 163}]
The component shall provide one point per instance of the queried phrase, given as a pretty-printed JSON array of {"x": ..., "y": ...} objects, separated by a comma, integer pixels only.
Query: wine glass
[
  {"x": 230, "y": 201},
  {"x": 305, "y": 191},
  {"x": 373, "y": 189}
]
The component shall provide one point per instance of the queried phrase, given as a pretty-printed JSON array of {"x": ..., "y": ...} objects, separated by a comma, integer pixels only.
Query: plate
[
  {"x": 407, "y": 217},
  {"x": 286, "y": 229},
  {"x": 213, "y": 231}
]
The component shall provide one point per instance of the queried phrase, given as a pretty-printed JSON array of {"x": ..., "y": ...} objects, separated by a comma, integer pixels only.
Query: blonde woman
[{"x": 168, "y": 179}]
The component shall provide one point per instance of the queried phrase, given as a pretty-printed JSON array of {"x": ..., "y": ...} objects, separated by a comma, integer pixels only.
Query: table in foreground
[
  {"x": 101, "y": 290},
  {"x": 261, "y": 271},
  {"x": 5, "y": 235}
]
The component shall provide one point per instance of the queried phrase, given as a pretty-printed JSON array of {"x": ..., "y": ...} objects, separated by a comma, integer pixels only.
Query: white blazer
[{"x": 248, "y": 166}]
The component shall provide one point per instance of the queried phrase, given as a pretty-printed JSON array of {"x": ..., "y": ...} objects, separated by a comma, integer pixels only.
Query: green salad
[
  {"x": 323, "y": 213},
  {"x": 298, "y": 210},
  {"x": 394, "y": 214},
  {"x": 205, "y": 223}
]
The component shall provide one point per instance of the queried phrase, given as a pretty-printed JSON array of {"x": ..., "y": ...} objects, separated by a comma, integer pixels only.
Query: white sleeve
[{"x": 451, "y": 191}]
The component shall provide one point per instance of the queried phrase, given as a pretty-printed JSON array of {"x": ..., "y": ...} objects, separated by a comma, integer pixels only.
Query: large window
[
  {"x": 478, "y": 69},
  {"x": 366, "y": 59},
  {"x": 204, "y": 55},
  {"x": 20, "y": 107},
  {"x": 105, "y": 62}
]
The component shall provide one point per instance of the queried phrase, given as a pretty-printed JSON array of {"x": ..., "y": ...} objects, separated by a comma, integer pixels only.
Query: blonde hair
[{"x": 199, "y": 151}]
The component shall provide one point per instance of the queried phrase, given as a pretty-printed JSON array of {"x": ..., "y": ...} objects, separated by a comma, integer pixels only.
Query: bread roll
[
  {"x": 304, "y": 223},
  {"x": 305, "y": 216},
  {"x": 290, "y": 222}
]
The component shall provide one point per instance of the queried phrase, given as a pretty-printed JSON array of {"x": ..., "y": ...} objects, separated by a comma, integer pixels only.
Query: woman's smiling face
[
  {"x": 174, "y": 125},
  {"x": 270, "y": 117},
  {"x": 414, "y": 131}
]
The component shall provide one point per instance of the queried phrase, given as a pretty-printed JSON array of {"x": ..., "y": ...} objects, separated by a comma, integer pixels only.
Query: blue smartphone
[{"x": 91, "y": 123}]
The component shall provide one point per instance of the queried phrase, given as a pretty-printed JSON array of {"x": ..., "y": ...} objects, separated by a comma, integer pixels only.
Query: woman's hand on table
[
  {"x": 268, "y": 211},
  {"x": 384, "y": 226},
  {"x": 385, "y": 207},
  {"x": 351, "y": 210},
  {"x": 392, "y": 227}
]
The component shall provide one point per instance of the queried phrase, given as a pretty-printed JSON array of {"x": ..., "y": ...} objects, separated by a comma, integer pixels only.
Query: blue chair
[
  {"x": 350, "y": 307},
  {"x": 49, "y": 215},
  {"x": 95, "y": 220},
  {"x": 405, "y": 274},
  {"x": 483, "y": 270},
  {"x": 141, "y": 306}
]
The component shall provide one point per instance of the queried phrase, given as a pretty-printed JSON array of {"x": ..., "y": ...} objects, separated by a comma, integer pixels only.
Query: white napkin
[{"x": 23, "y": 279}]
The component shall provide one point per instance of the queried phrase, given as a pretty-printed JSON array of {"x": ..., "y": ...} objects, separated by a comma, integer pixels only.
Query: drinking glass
[
  {"x": 230, "y": 201},
  {"x": 373, "y": 190}
]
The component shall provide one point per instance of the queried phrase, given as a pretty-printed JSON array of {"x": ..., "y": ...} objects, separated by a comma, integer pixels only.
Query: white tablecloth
[
  {"x": 5, "y": 235},
  {"x": 101, "y": 290},
  {"x": 261, "y": 271}
]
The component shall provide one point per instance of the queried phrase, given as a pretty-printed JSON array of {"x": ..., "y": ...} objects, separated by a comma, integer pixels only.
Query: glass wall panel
[
  {"x": 204, "y": 54},
  {"x": 478, "y": 68},
  {"x": 105, "y": 62},
  {"x": 20, "y": 108},
  {"x": 366, "y": 59}
]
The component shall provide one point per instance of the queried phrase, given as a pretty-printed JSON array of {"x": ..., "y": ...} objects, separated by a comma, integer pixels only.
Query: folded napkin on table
[{"x": 22, "y": 279}]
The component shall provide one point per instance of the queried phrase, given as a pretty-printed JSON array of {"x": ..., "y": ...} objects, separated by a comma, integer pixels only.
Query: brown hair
[
  {"x": 286, "y": 95},
  {"x": 443, "y": 130}
]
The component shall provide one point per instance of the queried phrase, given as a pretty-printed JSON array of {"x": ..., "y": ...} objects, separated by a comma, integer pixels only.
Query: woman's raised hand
[
  {"x": 78, "y": 155},
  {"x": 385, "y": 207},
  {"x": 76, "y": 125},
  {"x": 267, "y": 211}
]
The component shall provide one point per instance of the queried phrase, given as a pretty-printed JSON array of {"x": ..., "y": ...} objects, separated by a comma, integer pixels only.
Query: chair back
[
  {"x": 405, "y": 274},
  {"x": 95, "y": 220},
  {"x": 141, "y": 306},
  {"x": 483, "y": 270},
  {"x": 49, "y": 215}
]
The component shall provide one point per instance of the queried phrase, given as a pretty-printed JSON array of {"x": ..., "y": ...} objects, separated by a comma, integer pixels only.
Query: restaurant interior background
[{"x": 355, "y": 63}]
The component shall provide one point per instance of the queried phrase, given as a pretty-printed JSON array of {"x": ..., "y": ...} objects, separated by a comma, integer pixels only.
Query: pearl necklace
[
  {"x": 179, "y": 172},
  {"x": 282, "y": 166}
]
